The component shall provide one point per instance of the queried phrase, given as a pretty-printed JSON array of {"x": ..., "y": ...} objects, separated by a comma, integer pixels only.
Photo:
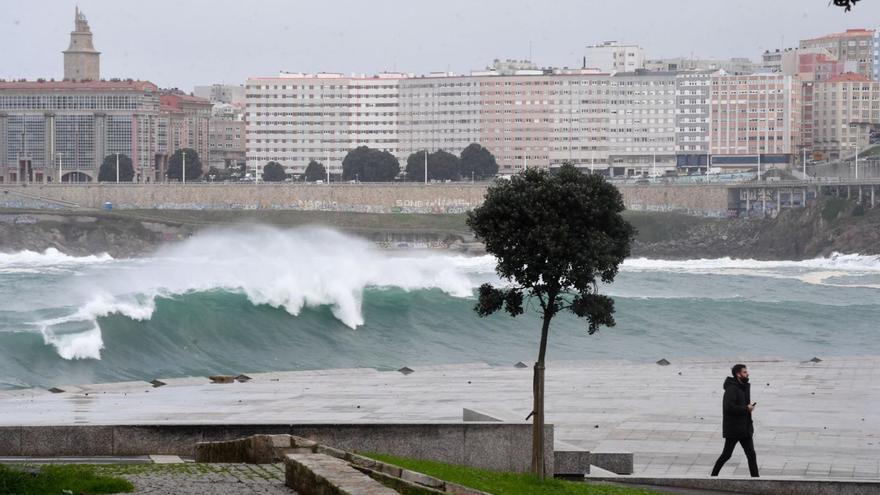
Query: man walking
[{"x": 737, "y": 406}]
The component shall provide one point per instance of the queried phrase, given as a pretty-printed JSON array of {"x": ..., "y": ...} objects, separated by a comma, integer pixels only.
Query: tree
[
  {"x": 555, "y": 236},
  {"x": 107, "y": 172},
  {"x": 479, "y": 161},
  {"x": 369, "y": 165},
  {"x": 193, "y": 164},
  {"x": 441, "y": 166},
  {"x": 315, "y": 171},
  {"x": 274, "y": 172}
]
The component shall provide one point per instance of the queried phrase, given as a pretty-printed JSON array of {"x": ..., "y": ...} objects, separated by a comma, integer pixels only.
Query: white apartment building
[
  {"x": 692, "y": 112},
  {"x": 295, "y": 118},
  {"x": 641, "y": 126},
  {"x": 612, "y": 56}
]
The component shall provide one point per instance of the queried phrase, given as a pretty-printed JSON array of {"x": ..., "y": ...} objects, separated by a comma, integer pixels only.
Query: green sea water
[{"x": 247, "y": 300}]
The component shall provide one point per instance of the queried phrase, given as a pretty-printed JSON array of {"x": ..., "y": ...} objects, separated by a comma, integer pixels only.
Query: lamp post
[
  {"x": 426, "y": 166},
  {"x": 117, "y": 168},
  {"x": 183, "y": 167}
]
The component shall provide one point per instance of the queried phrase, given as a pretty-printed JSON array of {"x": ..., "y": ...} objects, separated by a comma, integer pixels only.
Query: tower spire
[{"x": 81, "y": 60}]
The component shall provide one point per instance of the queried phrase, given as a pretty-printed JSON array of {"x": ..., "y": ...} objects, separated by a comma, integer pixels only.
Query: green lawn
[
  {"x": 504, "y": 483},
  {"x": 58, "y": 479}
]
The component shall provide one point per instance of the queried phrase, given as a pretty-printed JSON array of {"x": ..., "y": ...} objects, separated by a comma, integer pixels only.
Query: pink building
[{"x": 755, "y": 120}]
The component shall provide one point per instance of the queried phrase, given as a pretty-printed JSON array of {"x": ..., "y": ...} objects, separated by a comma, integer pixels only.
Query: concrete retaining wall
[
  {"x": 495, "y": 446},
  {"x": 703, "y": 199}
]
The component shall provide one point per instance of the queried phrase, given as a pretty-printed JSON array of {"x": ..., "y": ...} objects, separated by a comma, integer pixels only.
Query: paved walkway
[
  {"x": 813, "y": 419},
  {"x": 216, "y": 479}
]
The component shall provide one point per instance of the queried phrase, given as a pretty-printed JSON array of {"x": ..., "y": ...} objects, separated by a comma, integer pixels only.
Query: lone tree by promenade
[
  {"x": 274, "y": 172},
  {"x": 370, "y": 165},
  {"x": 555, "y": 237},
  {"x": 193, "y": 164},
  {"x": 315, "y": 171},
  {"x": 107, "y": 172}
]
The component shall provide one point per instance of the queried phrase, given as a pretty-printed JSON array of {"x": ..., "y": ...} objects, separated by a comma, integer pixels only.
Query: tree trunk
[
  {"x": 538, "y": 422},
  {"x": 538, "y": 467}
]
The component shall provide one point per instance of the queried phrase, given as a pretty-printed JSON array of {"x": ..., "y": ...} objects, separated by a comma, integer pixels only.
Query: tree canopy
[
  {"x": 369, "y": 165},
  {"x": 555, "y": 236},
  {"x": 193, "y": 164},
  {"x": 274, "y": 172},
  {"x": 107, "y": 172},
  {"x": 477, "y": 159},
  {"x": 442, "y": 165},
  {"x": 315, "y": 171}
]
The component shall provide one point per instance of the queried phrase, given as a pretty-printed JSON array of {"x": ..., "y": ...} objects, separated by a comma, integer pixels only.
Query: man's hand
[{"x": 750, "y": 408}]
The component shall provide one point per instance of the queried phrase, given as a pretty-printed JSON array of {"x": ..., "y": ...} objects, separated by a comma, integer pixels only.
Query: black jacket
[{"x": 737, "y": 419}]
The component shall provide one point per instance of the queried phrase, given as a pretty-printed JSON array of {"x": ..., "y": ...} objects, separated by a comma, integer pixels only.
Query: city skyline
[{"x": 368, "y": 38}]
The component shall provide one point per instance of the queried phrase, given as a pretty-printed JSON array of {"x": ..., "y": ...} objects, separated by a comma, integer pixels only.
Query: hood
[{"x": 731, "y": 382}]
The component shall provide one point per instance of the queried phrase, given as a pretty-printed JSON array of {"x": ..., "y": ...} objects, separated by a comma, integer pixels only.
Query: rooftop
[{"x": 103, "y": 85}]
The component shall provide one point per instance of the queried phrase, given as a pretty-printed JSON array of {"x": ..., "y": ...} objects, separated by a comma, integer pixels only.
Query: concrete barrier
[{"x": 494, "y": 446}]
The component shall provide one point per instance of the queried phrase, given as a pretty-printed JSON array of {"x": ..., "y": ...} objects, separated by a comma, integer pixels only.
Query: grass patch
[
  {"x": 55, "y": 479},
  {"x": 504, "y": 483}
]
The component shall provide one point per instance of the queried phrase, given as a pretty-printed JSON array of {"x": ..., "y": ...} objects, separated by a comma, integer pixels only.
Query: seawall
[{"x": 701, "y": 200}]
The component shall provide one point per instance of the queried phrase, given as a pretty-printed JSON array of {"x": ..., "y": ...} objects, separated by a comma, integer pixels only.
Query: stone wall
[{"x": 710, "y": 200}]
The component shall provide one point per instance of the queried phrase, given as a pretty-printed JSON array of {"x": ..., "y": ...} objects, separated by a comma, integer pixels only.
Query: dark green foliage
[
  {"x": 274, "y": 172},
  {"x": 52, "y": 479},
  {"x": 555, "y": 237},
  {"x": 369, "y": 165},
  {"x": 193, "y": 164},
  {"x": 858, "y": 210},
  {"x": 441, "y": 166},
  {"x": 315, "y": 171},
  {"x": 478, "y": 160},
  {"x": 832, "y": 208},
  {"x": 107, "y": 172}
]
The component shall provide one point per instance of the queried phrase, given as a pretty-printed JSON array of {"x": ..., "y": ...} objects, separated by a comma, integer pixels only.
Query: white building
[{"x": 612, "y": 56}]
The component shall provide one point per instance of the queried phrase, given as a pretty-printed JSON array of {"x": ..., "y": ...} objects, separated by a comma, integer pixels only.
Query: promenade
[{"x": 813, "y": 419}]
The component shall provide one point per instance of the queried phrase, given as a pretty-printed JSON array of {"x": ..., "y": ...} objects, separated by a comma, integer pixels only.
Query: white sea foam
[
  {"x": 836, "y": 262},
  {"x": 49, "y": 257}
]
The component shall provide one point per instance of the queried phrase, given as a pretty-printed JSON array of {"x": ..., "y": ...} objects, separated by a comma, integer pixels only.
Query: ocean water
[{"x": 262, "y": 299}]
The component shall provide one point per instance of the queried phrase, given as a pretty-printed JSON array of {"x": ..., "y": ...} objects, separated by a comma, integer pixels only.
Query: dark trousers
[{"x": 748, "y": 447}]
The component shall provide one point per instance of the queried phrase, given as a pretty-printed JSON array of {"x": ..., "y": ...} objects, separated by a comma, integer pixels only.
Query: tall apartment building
[
  {"x": 693, "y": 93},
  {"x": 641, "y": 126},
  {"x": 854, "y": 47},
  {"x": 295, "y": 118},
  {"x": 612, "y": 56},
  {"x": 755, "y": 120},
  {"x": 845, "y": 109}
]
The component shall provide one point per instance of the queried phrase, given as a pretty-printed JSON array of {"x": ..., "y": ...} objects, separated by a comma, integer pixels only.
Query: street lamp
[{"x": 117, "y": 168}]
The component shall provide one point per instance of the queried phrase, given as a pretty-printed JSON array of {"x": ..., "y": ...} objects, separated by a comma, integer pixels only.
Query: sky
[{"x": 182, "y": 43}]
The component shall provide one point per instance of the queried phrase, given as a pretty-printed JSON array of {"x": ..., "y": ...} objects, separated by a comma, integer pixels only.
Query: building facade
[
  {"x": 612, "y": 56},
  {"x": 755, "y": 121},
  {"x": 51, "y": 131},
  {"x": 854, "y": 47},
  {"x": 845, "y": 110},
  {"x": 226, "y": 137}
]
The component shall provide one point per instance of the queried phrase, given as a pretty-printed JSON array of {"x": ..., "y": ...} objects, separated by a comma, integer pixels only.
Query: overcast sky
[{"x": 181, "y": 43}]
